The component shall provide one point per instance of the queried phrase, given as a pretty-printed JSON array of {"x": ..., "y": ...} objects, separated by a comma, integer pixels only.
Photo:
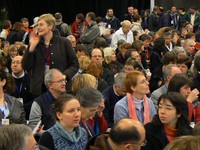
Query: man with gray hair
[
  {"x": 112, "y": 95},
  {"x": 169, "y": 71},
  {"x": 41, "y": 108},
  {"x": 189, "y": 47},
  {"x": 72, "y": 39},
  {"x": 18, "y": 137}
]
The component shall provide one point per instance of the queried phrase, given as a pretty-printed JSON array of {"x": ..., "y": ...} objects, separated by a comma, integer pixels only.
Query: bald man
[
  {"x": 22, "y": 84},
  {"x": 124, "y": 33},
  {"x": 126, "y": 134}
]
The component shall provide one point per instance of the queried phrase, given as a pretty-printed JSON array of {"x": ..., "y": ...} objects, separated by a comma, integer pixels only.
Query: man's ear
[{"x": 128, "y": 146}]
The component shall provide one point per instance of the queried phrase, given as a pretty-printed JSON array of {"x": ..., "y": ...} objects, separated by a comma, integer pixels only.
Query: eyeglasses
[
  {"x": 60, "y": 81},
  {"x": 143, "y": 81}
]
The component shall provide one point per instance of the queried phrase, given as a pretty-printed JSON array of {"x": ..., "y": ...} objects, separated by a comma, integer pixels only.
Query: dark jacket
[
  {"x": 128, "y": 17},
  {"x": 153, "y": 22},
  {"x": 187, "y": 18},
  {"x": 102, "y": 85},
  {"x": 46, "y": 102},
  {"x": 108, "y": 76},
  {"x": 16, "y": 110},
  {"x": 22, "y": 91},
  {"x": 110, "y": 99},
  {"x": 62, "y": 57},
  {"x": 98, "y": 142},
  {"x": 113, "y": 22},
  {"x": 155, "y": 136},
  {"x": 156, "y": 139}
]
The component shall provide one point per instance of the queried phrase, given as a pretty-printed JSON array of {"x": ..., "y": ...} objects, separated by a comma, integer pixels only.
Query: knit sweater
[{"x": 62, "y": 140}]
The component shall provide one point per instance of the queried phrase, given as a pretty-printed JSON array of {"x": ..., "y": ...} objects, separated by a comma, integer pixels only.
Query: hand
[
  {"x": 33, "y": 40},
  {"x": 100, "y": 109},
  {"x": 193, "y": 95}
]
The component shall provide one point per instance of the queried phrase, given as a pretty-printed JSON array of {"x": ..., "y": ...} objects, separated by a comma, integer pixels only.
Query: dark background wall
[
  {"x": 69, "y": 8},
  {"x": 167, "y": 4}
]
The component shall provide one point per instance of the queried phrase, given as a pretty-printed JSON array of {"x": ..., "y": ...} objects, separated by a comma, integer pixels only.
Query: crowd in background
[{"x": 72, "y": 83}]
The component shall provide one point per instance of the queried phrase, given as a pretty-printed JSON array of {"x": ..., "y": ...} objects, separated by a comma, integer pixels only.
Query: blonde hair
[
  {"x": 83, "y": 80},
  {"x": 108, "y": 51},
  {"x": 184, "y": 143},
  {"x": 126, "y": 23},
  {"x": 49, "y": 19},
  {"x": 84, "y": 62}
]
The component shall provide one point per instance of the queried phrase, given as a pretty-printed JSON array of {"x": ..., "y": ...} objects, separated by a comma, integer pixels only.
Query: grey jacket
[
  {"x": 89, "y": 35},
  {"x": 16, "y": 110},
  {"x": 157, "y": 93}
]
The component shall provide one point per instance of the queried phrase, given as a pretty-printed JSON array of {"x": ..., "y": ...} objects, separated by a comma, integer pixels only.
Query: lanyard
[
  {"x": 20, "y": 87},
  {"x": 87, "y": 128}
]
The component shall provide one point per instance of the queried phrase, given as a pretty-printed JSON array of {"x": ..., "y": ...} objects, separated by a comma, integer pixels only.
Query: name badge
[
  {"x": 5, "y": 121},
  {"x": 46, "y": 68},
  {"x": 109, "y": 26},
  {"x": 20, "y": 99}
]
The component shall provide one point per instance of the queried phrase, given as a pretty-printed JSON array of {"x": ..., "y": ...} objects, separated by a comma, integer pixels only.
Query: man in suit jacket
[
  {"x": 192, "y": 17},
  {"x": 169, "y": 71}
]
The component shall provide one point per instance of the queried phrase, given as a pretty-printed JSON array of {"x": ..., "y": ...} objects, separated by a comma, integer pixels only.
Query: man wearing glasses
[
  {"x": 41, "y": 108},
  {"x": 126, "y": 134}
]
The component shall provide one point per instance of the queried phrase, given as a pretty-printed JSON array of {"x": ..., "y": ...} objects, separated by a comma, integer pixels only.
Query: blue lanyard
[{"x": 20, "y": 88}]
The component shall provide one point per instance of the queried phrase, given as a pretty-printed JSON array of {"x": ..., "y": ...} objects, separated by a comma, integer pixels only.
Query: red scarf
[{"x": 132, "y": 111}]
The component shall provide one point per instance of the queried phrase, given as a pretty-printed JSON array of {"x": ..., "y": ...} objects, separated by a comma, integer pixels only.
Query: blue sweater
[{"x": 57, "y": 138}]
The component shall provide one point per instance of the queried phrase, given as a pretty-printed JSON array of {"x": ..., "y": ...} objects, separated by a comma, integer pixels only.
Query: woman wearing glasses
[
  {"x": 170, "y": 122},
  {"x": 92, "y": 106},
  {"x": 66, "y": 133},
  {"x": 135, "y": 104}
]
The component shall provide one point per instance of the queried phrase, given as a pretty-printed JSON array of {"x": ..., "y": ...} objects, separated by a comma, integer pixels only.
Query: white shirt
[
  {"x": 119, "y": 35},
  {"x": 192, "y": 19}
]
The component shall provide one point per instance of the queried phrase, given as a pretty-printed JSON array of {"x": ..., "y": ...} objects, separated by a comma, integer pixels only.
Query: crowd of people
[{"x": 101, "y": 83}]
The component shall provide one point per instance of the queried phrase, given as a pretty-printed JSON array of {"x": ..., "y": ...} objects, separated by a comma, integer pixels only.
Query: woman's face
[
  {"x": 128, "y": 69},
  {"x": 185, "y": 90},
  {"x": 88, "y": 112},
  {"x": 6, "y": 47},
  {"x": 71, "y": 115},
  {"x": 183, "y": 68},
  {"x": 43, "y": 28},
  {"x": 142, "y": 86},
  {"x": 13, "y": 52},
  {"x": 113, "y": 56},
  {"x": 180, "y": 54},
  {"x": 167, "y": 113}
]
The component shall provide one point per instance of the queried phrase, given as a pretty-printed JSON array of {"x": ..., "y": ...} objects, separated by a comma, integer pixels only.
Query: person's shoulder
[{"x": 122, "y": 102}]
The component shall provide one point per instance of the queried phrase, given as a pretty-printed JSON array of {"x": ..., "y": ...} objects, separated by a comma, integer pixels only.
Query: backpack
[{"x": 60, "y": 30}]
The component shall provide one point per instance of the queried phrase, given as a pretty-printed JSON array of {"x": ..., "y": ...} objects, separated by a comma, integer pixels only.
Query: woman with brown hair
[
  {"x": 96, "y": 70},
  {"x": 66, "y": 133},
  {"x": 135, "y": 104}
]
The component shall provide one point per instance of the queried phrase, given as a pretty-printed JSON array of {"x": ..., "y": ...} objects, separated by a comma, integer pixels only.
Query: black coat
[
  {"x": 62, "y": 57},
  {"x": 156, "y": 139}
]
